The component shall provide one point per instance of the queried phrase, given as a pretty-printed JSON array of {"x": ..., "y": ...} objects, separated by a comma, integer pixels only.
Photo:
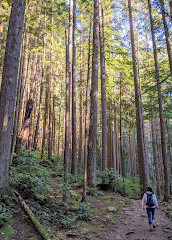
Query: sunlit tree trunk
[
  {"x": 167, "y": 36},
  {"x": 121, "y": 140},
  {"x": 161, "y": 111},
  {"x": 68, "y": 83},
  {"x": 50, "y": 92},
  {"x": 92, "y": 139},
  {"x": 59, "y": 122},
  {"x": 103, "y": 90},
  {"x": 86, "y": 117},
  {"x": 155, "y": 157},
  {"x": 143, "y": 166},
  {"x": 41, "y": 86},
  {"x": 74, "y": 144}
]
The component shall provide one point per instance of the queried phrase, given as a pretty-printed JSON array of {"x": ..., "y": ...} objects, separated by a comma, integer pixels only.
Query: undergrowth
[
  {"x": 108, "y": 180},
  {"x": 32, "y": 177}
]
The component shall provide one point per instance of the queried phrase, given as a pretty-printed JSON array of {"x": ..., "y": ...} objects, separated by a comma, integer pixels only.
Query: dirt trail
[{"x": 133, "y": 224}]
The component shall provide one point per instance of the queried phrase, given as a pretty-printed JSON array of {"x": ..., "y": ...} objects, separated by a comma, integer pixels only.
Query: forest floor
[
  {"x": 127, "y": 221},
  {"x": 113, "y": 218}
]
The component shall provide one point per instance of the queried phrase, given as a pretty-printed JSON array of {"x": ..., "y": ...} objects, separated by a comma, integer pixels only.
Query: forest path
[
  {"x": 127, "y": 222},
  {"x": 133, "y": 224}
]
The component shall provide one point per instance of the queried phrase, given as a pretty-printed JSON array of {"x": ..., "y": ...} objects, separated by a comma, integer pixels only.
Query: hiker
[{"x": 150, "y": 200}]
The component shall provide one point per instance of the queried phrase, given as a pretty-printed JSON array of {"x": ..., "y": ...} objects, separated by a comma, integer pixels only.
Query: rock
[
  {"x": 118, "y": 238},
  {"x": 129, "y": 233},
  {"x": 112, "y": 209},
  {"x": 168, "y": 230},
  {"x": 84, "y": 231},
  {"x": 108, "y": 218},
  {"x": 71, "y": 235},
  {"x": 170, "y": 237}
]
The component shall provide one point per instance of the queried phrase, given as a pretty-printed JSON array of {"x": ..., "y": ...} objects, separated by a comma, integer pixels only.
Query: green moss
[{"x": 7, "y": 230}]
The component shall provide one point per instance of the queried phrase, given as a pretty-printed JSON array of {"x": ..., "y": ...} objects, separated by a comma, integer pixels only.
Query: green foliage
[
  {"x": 125, "y": 186},
  {"x": 65, "y": 188},
  {"x": 5, "y": 214},
  {"x": 132, "y": 187},
  {"x": 54, "y": 213},
  {"x": 94, "y": 192},
  {"x": 29, "y": 177},
  {"x": 6, "y": 209},
  {"x": 7, "y": 230},
  {"x": 84, "y": 211}
]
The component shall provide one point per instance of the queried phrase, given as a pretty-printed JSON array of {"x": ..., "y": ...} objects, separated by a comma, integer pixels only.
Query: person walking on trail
[{"x": 149, "y": 199}]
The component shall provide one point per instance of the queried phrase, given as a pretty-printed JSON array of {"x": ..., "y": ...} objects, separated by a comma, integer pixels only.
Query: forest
[{"x": 85, "y": 118}]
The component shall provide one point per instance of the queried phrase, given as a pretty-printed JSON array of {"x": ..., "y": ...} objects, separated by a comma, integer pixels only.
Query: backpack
[{"x": 150, "y": 202}]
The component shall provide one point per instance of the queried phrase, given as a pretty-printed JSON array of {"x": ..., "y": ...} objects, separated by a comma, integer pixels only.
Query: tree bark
[
  {"x": 59, "y": 126},
  {"x": 92, "y": 140},
  {"x": 167, "y": 36},
  {"x": 86, "y": 117},
  {"x": 103, "y": 90},
  {"x": 41, "y": 85},
  {"x": 50, "y": 92},
  {"x": 74, "y": 144},
  {"x": 154, "y": 143},
  {"x": 68, "y": 83},
  {"x": 143, "y": 169},
  {"x": 8, "y": 87},
  {"x": 161, "y": 112}
]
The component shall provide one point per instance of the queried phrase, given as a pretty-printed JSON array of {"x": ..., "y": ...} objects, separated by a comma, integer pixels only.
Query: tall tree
[
  {"x": 161, "y": 111},
  {"x": 167, "y": 36},
  {"x": 143, "y": 169},
  {"x": 92, "y": 139},
  {"x": 8, "y": 87},
  {"x": 103, "y": 90},
  {"x": 68, "y": 83},
  {"x": 41, "y": 84},
  {"x": 86, "y": 115},
  {"x": 74, "y": 144}
]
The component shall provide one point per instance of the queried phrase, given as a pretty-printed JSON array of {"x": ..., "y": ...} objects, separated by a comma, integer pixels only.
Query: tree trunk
[
  {"x": 103, "y": 90},
  {"x": 68, "y": 83},
  {"x": 45, "y": 121},
  {"x": 92, "y": 140},
  {"x": 114, "y": 163},
  {"x": 50, "y": 92},
  {"x": 161, "y": 112},
  {"x": 143, "y": 169},
  {"x": 74, "y": 144},
  {"x": 154, "y": 143},
  {"x": 41, "y": 85},
  {"x": 59, "y": 126},
  {"x": 167, "y": 36},
  {"x": 19, "y": 96},
  {"x": 121, "y": 140},
  {"x": 8, "y": 87},
  {"x": 86, "y": 117},
  {"x": 80, "y": 147},
  {"x": 170, "y": 5}
]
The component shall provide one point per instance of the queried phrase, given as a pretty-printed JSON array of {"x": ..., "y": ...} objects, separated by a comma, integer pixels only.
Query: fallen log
[{"x": 41, "y": 230}]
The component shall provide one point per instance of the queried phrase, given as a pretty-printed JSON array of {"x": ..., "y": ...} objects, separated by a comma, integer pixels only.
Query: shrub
[
  {"x": 30, "y": 178},
  {"x": 94, "y": 192},
  {"x": 84, "y": 211}
]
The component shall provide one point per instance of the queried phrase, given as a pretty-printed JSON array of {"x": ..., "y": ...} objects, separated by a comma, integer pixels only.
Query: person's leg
[
  {"x": 153, "y": 217},
  {"x": 149, "y": 216}
]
